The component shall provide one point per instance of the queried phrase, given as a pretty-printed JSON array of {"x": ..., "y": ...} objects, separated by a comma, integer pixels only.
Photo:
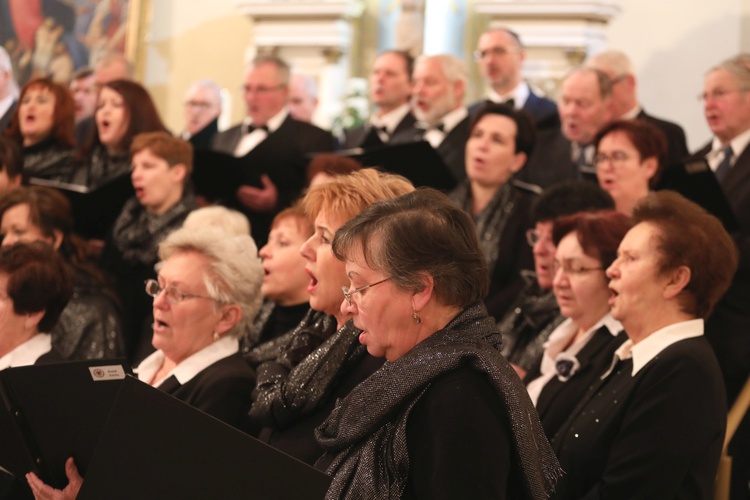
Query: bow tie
[
  {"x": 250, "y": 128},
  {"x": 508, "y": 102}
]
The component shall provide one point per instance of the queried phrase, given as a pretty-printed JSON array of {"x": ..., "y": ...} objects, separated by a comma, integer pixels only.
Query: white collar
[
  {"x": 27, "y": 353},
  {"x": 391, "y": 119},
  {"x": 738, "y": 144},
  {"x": 520, "y": 95},
  {"x": 274, "y": 122},
  {"x": 633, "y": 113},
  {"x": 190, "y": 366},
  {"x": 450, "y": 120},
  {"x": 648, "y": 348},
  {"x": 561, "y": 336}
]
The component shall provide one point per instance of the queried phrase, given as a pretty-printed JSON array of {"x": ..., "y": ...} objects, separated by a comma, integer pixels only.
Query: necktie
[{"x": 726, "y": 163}]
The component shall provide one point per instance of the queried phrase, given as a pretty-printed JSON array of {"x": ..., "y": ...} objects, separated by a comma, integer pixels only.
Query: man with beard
[{"x": 443, "y": 121}]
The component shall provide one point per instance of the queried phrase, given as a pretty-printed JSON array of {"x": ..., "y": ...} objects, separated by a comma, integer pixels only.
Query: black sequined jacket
[
  {"x": 48, "y": 160},
  {"x": 90, "y": 326},
  {"x": 365, "y": 437}
]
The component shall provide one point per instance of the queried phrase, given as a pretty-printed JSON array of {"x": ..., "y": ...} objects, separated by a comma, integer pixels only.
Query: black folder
[
  {"x": 155, "y": 446},
  {"x": 695, "y": 181},
  {"x": 417, "y": 161},
  {"x": 51, "y": 412},
  {"x": 94, "y": 210},
  {"x": 216, "y": 176}
]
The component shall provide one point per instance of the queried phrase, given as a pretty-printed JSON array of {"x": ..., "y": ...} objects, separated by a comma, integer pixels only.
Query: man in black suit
[
  {"x": 443, "y": 121},
  {"x": 726, "y": 98},
  {"x": 273, "y": 142},
  {"x": 625, "y": 104},
  {"x": 392, "y": 121},
  {"x": 8, "y": 90},
  {"x": 202, "y": 109},
  {"x": 500, "y": 55},
  {"x": 585, "y": 108}
]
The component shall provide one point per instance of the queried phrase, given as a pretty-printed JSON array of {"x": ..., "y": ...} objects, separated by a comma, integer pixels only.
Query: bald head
[
  {"x": 618, "y": 66},
  {"x": 112, "y": 67}
]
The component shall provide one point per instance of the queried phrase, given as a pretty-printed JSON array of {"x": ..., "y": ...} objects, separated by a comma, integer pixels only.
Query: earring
[
  {"x": 416, "y": 317},
  {"x": 217, "y": 336}
]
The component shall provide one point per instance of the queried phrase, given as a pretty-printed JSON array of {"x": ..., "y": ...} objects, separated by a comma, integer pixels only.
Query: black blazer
[
  {"x": 284, "y": 155},
  {"x": 658, "y": 434},
  {"x": 222, "y": 390},
  {"x": 726, "y": 328},
  {"x": 453, "y": 149},
  {"x": 558, "y": 399},
  {"x": 542, "y": 110},
  {"x": 203, "y": 138},
  {"x": 677, "y": 149},
  {"x": 366, "y": 138}
]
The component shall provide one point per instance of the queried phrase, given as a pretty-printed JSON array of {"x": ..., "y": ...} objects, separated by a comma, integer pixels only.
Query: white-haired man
[
  {"x": 437, "y": 100},
  {"x": 202, "y": 108}
]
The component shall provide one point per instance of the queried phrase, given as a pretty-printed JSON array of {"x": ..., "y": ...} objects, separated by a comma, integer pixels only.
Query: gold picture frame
[{"x": 55, "y": 38}]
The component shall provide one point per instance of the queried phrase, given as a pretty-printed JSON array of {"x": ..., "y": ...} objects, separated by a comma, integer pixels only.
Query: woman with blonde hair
[{"x": 322, "y": 360}]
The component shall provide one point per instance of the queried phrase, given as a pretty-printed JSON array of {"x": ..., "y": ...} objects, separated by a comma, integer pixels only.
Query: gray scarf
[{"x": 373, "y": 417}]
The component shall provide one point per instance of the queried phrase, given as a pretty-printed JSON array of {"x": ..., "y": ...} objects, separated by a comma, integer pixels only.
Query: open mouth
[{"x": 313, "y": 281}]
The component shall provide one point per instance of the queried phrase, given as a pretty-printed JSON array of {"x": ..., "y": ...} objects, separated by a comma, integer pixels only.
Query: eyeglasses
[
  {"x": 348, "y": 294},
  {"x": 173, "y": 294},
  {"x": 572, "y": 268},
  {"x": 493, "y": 51},
  {"x": 260, "y": 89},
  {"x": 616, "y": 159},
  {"x": 533, "y": 237},
  {"x": 718, "y": 94},
  {"x": 200, "y": 105}
]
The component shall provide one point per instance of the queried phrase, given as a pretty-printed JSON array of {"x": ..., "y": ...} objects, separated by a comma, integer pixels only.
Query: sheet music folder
[
  {"x": 696, "y": 181},
  {"x": 51, "y": 412},
  {"x": 94, "y": 210},
  {"x": 417, "y": 161},
  {"x": 155, "y": 446},
  {"x": 216, "y": 176}
]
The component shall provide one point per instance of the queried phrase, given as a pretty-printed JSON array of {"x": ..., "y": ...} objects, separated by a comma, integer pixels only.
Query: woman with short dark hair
[
  {"x": 35, "y": 287},
  {"x": 653, "y": 425},
  {"x": 630, "y": 156},
  {"x": 90, "y": 326},
  {"x": 446, "y": 416},
  {"x": 499, "y": 144}
]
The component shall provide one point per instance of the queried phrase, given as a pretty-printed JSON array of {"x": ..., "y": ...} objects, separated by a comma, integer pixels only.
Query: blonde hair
[{"x": 348, "y": 195}]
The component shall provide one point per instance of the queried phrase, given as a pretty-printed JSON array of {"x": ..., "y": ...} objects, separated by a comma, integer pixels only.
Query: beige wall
[
  {"x": 672, "y": 43},
  {"x": 190, "y": 40}
]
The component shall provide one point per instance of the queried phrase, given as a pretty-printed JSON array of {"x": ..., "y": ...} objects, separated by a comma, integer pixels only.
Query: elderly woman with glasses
[
  {"x": 206, "y": 293},
  {"x": 534, "y": 314},
  {"x": 630, "y": 155},
  {"x": 445, "y": 416},
  {"x": 581, "y": 347},
  {"x": 320, "y": 361},
  {"x": 652, "y": 425}
]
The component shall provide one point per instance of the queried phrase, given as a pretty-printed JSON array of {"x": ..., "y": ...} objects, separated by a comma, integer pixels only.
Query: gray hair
[
  {"x": 453, "y": 68},
  {"x": 281, "y": 66},
  {"x": 230, "y": 221},
  {"x": 234, "y": 273},
  {"x": 7, "y": 65},
  {"x": 603, "y": 80},
  {"x": 209, "y": 85},
  {"x": 311, "y": 86},
  {"x": 739, "y": 66},
  {"x": 614, "y": 62}
]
